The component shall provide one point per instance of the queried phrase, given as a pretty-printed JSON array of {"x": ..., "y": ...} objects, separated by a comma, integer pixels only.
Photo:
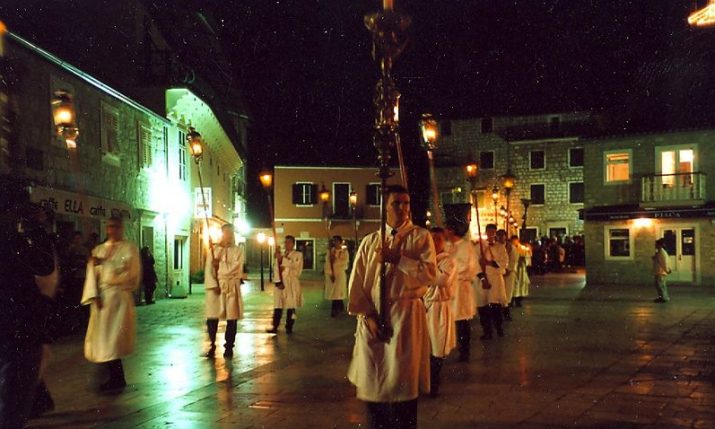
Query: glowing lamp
[
  {"x": 64, "y": 117},
  {"x": 271, "y": 241},
  {"x": 643, "y": 222},
  {"x": 196, "y": 145},
  {"x": 471, "y": 170},
  {"x": 428, "y": 127},
  {"x": 324, "y": 195},
  {"x": 261, "y": 238},
  {"x": 353, "y": 199},
  {"x": 704, "y": 17},
  {"x": 495, "y": 193},
  {"x": 266, "y": 178},
  {"x": 508, "y": 180}
]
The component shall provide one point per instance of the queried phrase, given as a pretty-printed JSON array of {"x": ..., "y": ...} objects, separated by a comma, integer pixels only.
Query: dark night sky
[{"x": 305, "y": 70}]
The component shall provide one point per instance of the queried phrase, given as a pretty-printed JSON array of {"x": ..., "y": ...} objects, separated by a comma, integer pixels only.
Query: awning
[{"x": 632, "y": 211}]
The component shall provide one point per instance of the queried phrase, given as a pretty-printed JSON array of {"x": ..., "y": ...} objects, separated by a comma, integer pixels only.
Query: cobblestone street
[{"x": 574, "y": 356}]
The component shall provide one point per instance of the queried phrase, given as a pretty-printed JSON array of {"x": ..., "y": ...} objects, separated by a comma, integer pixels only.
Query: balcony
[{"x": 673, "y": 189}]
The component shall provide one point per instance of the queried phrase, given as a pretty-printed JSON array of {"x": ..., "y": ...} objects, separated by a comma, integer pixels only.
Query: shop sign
[{"x": 70, "y": 203}]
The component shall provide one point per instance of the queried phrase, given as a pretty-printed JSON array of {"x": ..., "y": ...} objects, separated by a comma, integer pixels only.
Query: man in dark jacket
[{"x": 26, "y": 257}]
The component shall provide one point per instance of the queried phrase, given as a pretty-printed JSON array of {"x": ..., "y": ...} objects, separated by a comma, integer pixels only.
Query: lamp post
[
  {"x": 495, "y": 198},
  {"x": 266, "y": 179},
  {"x": 353, "y": 208},
  {"x": 429, "y": 131},
  {"x": 508, "y": 182},
  {"x": 525, "y": 202},
  {"x": 389, "y": 37},
  {"x": 196, "y": 148},
  {"x": 261, "y": 239},
  {"x": 324, "y": 195}
]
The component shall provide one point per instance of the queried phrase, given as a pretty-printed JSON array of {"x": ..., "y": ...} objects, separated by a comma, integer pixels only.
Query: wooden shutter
[
  {"x": 313, "y": 194},
  {"x": 296, "y": 194}
]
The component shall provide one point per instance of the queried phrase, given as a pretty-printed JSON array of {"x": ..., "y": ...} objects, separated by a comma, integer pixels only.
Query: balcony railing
[{"x": 673, "y": 188}]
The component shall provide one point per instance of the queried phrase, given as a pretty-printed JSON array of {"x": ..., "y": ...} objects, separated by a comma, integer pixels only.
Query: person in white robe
[
  {"x": 390, "y": 364},
  {"x": 510, "y": 274},
  {"x": 521, "y": 278},
  {"x": 336, "y": 276},
  {"x": 287, "y": 293},
  {"x": 661, "y": 271},
  {"x": 223, "y": 275},
  {"x": 113, "y": 273},
  {"x": 440, "y": 317},
  {"x": 464, "y": 304},
  {"x": 490, "y": 289}
]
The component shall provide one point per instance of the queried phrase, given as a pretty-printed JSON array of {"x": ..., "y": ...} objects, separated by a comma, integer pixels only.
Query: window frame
[
  {"x": 315, "y": 197},
  {"x": 481, "y": 165},
  {"x": 583, "y": 193},
  {"x": 333, "y": 194},
  {"x": 182, "y": 154},
  {"x": 605, "y": 167},
  {"x": 607, "y": 243},
  {"x": 531, "y": 185},
  {"x": 367, "y": 196},
  {"x": 583, "y": 157},
  {"x": 543, "y": 166},
  {"x": 146, "y": 154}
]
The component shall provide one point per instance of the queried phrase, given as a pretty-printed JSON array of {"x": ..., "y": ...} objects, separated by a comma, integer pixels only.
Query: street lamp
[
  {"x": 196, "y": 148},
  {"x": 353, "y": 207},
  {"x": 324, "y": 195},
  {"x": 430, "y": 132},
  {"x": 266, "y": 178},
  {"x": 508, "y": 182},
  {"x": 65, "y": 118},
  {"x": 704, "y": 17},
  {"x": 261, "y": 239}
]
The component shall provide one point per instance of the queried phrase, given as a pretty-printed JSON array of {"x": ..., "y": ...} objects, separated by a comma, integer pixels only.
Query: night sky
[{"x": 305, "y": 71}]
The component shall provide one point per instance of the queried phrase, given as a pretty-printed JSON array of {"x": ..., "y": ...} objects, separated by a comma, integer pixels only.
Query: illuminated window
[
  {"x": 677, "y": 164},
  {"x": 618, "y": 243},
  {"x": 305, "y": 194},
  {"x": 618, "y": 166}
]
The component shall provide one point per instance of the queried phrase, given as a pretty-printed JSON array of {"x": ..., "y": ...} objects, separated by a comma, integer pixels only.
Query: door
[
  {"x": 307, "y": 248},
  {"x": 681, "y": 246}
]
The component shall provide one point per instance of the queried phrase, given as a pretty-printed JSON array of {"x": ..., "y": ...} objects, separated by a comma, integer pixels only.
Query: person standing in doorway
[
  {"x": 390, "y": 363},
  {"x": 336, "y": 276},
  {"x": 113, "y": 273},
  {"x": 148, "y": 275},
  {"x": 287, "y": 293},
  {"x": 223, "y": 290},
  {"x": 660, "y": 271}
]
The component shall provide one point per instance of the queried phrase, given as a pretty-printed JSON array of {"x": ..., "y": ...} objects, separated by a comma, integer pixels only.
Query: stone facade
[
  {"x": 511, "y": 141},
  {"x": 626, "y": 206}
]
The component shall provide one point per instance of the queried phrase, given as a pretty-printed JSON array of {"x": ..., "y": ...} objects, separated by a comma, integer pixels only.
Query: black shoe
[
  {"x": 486, "y": 337},
  {"x": 211, "y": 353},
  {"x": 272, "y": 331},
  {"x": 228, "y": 353},
  {"x": 112, "y": 385}
]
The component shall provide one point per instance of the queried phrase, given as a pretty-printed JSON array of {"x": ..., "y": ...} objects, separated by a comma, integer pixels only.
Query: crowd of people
[{"x": 557, "y": 254}]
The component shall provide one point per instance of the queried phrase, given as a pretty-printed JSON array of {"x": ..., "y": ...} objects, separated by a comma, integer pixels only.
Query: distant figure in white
[
  {"x": 113, "y": 273},
  {"x": 223, "y": 277},
  {"x": 287, "y": 293},
  {"x": 336, "y": 276},
  {"x": 660, "y": 271}
]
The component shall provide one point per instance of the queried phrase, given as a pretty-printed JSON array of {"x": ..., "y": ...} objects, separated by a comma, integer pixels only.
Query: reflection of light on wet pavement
[{"x": 176, "y": 372}]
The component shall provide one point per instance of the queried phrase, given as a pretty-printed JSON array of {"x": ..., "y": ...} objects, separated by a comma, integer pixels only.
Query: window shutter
[
  {"x": 313, "y": 194},
  {"x": 296, "y": 194}
]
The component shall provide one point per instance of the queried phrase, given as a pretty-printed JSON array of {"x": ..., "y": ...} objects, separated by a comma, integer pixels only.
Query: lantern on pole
[
  {"x": 430, "y": 133},
  {"x": 64, "y": 117}
]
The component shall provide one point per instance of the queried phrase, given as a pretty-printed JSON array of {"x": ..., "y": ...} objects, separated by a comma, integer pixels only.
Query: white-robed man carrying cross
[
  {"x": 390, "y": 373},
  {"x": 224, "y": 271}
]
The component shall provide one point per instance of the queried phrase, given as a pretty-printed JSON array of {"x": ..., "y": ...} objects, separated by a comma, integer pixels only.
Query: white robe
[
  {"x": 521, "y": 276},
  {"x": 464, "y": 305},
  {"x": 397, "y": 370},
  {"x": 227, "y": 305},
  {"x": 291, "y": 296},
  {"x": 438, "y": 300},
  {"x": 495, "y": 276},
  {"x": 335, "y": 290},
  {"x": 510, "y": 274},
  {"x": 111, "y": 331}
]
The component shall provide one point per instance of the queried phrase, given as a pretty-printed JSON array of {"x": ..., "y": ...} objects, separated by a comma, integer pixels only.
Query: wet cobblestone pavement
[{"x": 594, "y": 357}]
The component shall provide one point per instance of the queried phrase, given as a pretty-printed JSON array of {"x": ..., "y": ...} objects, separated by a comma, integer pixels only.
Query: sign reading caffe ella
[{"x": 69, "y": 203}]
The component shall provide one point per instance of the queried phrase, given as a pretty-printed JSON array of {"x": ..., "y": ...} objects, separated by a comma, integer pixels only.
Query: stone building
[
  {"x": 643, "y": 187},
  {"x": 543, "y": 153},
  {"x": 129, "y": 160}
]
